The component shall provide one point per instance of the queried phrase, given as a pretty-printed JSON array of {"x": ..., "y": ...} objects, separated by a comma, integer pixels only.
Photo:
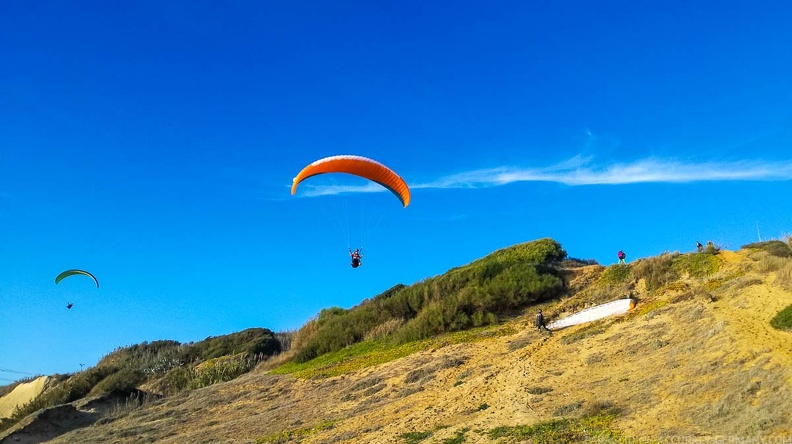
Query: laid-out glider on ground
[
  {"x": 357, "y": 166},
  {"x": 620, "y": 306},
  {"x": 68, "y": 273}
]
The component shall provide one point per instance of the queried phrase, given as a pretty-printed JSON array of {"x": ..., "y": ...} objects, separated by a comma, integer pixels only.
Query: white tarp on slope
[{"x": 593, "y": 313}]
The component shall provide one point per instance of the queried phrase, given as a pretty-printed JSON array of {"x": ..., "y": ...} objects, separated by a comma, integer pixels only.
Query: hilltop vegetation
[{"x": 470, "y": 296}]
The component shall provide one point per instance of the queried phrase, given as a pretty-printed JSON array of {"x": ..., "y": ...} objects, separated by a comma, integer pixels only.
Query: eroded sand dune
[{"x": 21, "y": 395}]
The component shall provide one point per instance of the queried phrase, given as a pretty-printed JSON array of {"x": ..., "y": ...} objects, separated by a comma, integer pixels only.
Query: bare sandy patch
[{"x": 21, "y": 395}]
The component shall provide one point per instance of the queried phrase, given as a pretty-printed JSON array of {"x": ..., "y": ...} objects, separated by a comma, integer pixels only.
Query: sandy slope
[
  {"x": 687, "y": 362},
  {"x": 21, "y": 395}
]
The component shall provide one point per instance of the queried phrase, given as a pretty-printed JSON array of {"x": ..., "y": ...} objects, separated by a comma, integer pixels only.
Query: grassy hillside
[
  {"x": 706, "y": 353},
  {"x": 470, "y": 296}
]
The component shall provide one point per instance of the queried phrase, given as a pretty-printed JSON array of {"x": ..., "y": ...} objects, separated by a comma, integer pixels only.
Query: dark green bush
[
  {"x": 773, "y": 247},
  {"x": 783, "y": 320},
  {"x": 252, "y": 340},
  {"x": 125, "y": 380}
]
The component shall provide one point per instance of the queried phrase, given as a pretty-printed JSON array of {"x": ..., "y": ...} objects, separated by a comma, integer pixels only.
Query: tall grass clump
[
  {"x": 212, "y": 371},
  {"x": 615, "y": 274},
  {"x": 469, "y": 296},
  {"x": 784, "y": 275},
  {"x": 657, "y": 271},
  {"x": 223, "y": 369}
]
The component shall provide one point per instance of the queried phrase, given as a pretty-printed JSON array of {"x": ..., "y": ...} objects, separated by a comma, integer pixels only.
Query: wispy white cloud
[{"x": 579, "y": 171}]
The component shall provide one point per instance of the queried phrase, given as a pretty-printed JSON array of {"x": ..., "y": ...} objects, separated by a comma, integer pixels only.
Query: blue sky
[{"x": 154, "y": 144}]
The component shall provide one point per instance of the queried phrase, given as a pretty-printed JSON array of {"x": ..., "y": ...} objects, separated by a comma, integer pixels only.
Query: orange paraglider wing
[{"x": 357, "y": 166}]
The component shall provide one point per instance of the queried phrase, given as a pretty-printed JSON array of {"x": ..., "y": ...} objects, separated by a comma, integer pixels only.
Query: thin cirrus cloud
[{"x": 578, "y": 171}]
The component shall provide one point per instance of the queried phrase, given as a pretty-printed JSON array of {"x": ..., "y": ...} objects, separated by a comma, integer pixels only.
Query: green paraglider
[{"x": 68, "y": 273}]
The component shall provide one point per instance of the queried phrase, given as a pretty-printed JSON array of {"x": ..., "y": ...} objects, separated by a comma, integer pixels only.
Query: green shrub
[
  {"x": 458, "y": 438},
  {"x": 783, "y": 320},
  {"x": 697, "y": 265},
  {"x": 124, "y": 380},
  {"x": 176, "y": 380},
  {"x": 414, "y": 437},
  {"x": 250, "y": 341},
  {"x": 774, "y": 247}
]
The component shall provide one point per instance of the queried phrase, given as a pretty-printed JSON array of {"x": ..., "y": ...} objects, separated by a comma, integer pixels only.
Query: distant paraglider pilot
[
  {"x": 69, "y": 305},
  {"x": 540, "y": 322},
  {"x": 699, "y": 247},
  {"x": 622, "y": 257},
  {"x": 356, "y": 257}
]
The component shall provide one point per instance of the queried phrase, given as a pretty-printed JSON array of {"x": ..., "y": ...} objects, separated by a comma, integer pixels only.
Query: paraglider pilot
[
  {"x": 69, "y": 305},
  {"x": 356, "y": 257},
  {"x": 540, "y": 322},
  {"x": 621, "y": 256}
]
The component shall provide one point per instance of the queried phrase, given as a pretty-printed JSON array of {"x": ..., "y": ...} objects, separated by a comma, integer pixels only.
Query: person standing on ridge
[
  {"x": 699, "y": 247},
  {"x": 622, "y": 257}
]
